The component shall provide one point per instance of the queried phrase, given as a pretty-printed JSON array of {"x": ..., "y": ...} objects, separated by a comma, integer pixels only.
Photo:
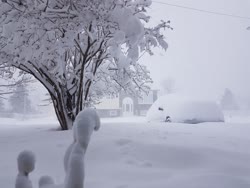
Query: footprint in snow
[
  {"x": 146, "y": 164},
  {"x": 122, "y": 186},
  {"x": 123, "y": 142},
  {"x": 135, "y": 162},
  {"x": 131, "y": 161},
  {"x": 125, "y": 145},
  {"x": 59, "y": 145}
]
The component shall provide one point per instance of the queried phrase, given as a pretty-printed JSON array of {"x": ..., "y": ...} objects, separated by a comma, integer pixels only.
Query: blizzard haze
[
  {"x": 207, "y": 52},
  {"x": 189, "y": 131}
]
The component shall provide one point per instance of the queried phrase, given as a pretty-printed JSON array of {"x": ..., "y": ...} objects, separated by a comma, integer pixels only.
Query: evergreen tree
[
  {"x": 19, "y": 100},
  {"x": 228, "y": 101},
  {"x": 2, "y": 109}
]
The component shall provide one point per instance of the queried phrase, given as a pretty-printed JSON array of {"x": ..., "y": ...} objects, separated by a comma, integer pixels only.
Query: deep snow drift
[
  {"x": 184, "y": 110},
  {"x": 135, "y": 154}
]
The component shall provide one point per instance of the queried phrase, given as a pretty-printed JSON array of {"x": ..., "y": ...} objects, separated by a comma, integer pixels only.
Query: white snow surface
[
  {"x": 184, "y": 110},
  {"x": 135, "y": 154}
]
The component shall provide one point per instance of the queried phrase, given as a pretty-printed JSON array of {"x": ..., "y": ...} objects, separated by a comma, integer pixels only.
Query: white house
[{"x": 123, "y": 104}]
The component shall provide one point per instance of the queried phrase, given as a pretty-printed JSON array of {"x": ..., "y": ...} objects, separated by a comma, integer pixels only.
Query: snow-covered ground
[{"x": 135, "y": 154}]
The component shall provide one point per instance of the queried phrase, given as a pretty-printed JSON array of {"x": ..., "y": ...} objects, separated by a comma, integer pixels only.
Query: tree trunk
[{"x": 63, "y": 116}]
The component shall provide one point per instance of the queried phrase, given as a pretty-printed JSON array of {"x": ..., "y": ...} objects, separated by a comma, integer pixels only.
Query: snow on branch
[{"x": 79, "y": 50}]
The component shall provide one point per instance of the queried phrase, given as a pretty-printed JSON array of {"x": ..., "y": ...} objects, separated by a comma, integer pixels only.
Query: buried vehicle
[{"x": 179, "y": 109}]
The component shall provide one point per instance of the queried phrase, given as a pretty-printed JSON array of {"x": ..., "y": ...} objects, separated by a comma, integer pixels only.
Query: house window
[{"x": 112, "y": 96}]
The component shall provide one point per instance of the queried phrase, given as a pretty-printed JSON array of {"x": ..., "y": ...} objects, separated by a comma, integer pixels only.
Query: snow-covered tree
[
  {"x": 228, "y": 101},
  {"x": 19, "y": 100},
  {"x": 8, "y": 87},
  {"x": 5, "y": 89},
  {"x": 78, "y": 49}
]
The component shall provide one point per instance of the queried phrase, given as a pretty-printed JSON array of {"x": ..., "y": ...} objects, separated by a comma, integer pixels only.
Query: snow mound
[
  {"x": 26, "y": 162},
  {"x": 45, "y": 181},
  {"x": 23, "y": 182},
  {"x": 184, "y": 110},
  {"x": 86, "y": 122}
]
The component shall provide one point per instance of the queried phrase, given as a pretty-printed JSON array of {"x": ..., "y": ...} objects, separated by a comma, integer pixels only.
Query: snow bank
[{"x": 184, "y": 110}]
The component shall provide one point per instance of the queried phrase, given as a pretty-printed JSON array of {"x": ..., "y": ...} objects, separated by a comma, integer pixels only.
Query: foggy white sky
[{"x": 207, "y": 53}]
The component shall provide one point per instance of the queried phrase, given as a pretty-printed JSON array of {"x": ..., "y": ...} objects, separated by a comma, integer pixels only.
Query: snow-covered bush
[{"x": 182, "y": 109}]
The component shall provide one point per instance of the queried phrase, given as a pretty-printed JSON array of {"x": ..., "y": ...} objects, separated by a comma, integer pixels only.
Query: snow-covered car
[{"x": 180, "y": 109}]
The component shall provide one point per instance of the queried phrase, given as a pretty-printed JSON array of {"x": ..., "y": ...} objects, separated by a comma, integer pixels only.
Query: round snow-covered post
[
  {"x": 86, "y": 122},
  {"x": 46, "y": 181},
  {"x": 26, "y": 164},
  {"x": 69, "y": 150}
]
